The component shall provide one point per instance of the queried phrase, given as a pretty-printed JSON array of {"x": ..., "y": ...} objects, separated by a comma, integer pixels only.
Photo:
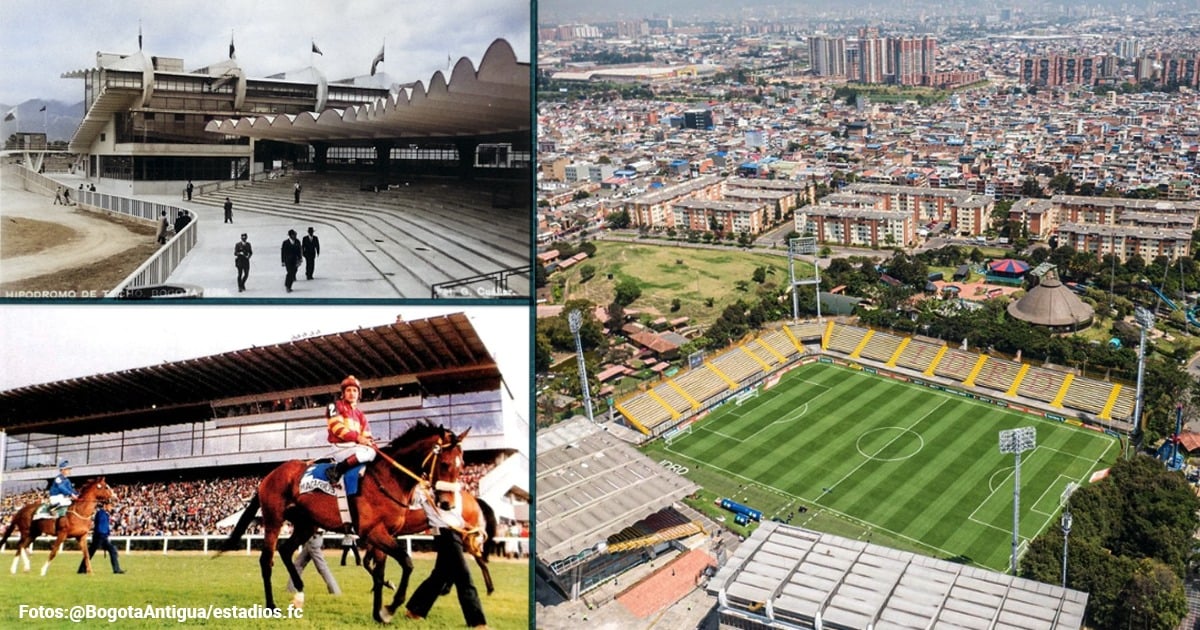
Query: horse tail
[
  {"x": 12, "y": 524},
  {"x": 235, "y": 537},
  {"x": 489, "y": 518}
]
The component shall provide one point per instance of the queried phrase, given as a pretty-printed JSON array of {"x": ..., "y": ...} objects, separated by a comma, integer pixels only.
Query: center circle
[{"x": 889, "y": 444}]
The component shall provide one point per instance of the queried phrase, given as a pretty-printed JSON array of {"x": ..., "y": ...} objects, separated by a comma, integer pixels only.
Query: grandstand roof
[
  {"x": 441, "y": 353},
  {"x": 591, "y": 485},
  {"x": 795, "y": 576},
  {"x": 1051, "y": 304},
  {"x": 488, "y": 101}
]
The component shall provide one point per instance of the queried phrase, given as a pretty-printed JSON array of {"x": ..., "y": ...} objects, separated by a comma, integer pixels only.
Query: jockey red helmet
[{"x": 350, "y": 381}]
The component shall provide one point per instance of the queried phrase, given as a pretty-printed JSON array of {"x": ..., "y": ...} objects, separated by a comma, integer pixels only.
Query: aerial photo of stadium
[
  {"x": 183, "y": 424},
  {"x": 397, "y": 138}
]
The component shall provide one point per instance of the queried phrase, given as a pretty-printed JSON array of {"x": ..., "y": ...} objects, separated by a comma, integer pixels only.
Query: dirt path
[{"x": 92, "y": 238}]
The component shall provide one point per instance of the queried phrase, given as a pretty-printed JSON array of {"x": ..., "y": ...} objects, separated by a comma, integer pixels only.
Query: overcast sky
[
  {"x": 40, "y": 40},
  {"x": 44, "y": 343}
]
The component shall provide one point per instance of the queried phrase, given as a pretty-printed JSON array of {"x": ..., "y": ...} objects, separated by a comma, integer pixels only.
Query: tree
[
  {"x": 627, "y": 290},
  {"x": 760, "y": 275},
  {"x": 542, "y": 353},
  {"x": 616, "y": 317},
  {"x": 1154, "y": 596},
  {"x": 619, "y": 220},
  {"x": 539, "y": 275},
  {"x": 675, "y": 305}
]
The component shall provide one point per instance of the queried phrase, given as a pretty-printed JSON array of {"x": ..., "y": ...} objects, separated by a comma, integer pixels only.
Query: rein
[{"x": 423, "y": 485}]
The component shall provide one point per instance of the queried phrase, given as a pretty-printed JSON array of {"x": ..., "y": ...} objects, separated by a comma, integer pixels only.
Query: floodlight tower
[
  {"x": 797, "y": 247},
  {"x": 1145, "y": 320},
  {"x": 1066, "y": 524},
  {"x": 1017, "y": 441},
  {"x": 575, "y": 319}
]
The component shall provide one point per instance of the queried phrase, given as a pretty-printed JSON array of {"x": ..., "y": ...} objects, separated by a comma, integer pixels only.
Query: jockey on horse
[
  {"x": 351, "y": 437},
  {"x": 62, "y": 491}
]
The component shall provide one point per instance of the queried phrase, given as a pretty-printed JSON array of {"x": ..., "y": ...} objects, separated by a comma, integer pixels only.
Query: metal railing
[
  {"x": 210, "y": 543},
  {"x": 163, "y": 262}
]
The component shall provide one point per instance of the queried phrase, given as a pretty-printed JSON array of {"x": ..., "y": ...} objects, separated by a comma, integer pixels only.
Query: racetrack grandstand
[
  {"x": 240, "y": 413},
  {"x": 603, "y": 508}
]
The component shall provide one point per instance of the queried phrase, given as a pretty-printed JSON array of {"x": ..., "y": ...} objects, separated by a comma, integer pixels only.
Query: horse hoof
[
  {"x": 298, "y": 601},
  {"x": 385, "y": 615}
]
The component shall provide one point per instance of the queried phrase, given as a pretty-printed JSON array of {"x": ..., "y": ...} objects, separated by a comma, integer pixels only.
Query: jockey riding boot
[
  {"x": 340, "y": 468},
  {"x": 350, "y": 529}
]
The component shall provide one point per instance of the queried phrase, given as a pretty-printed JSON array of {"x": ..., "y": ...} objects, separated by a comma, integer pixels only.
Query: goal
[
  {"x": 677, "y": 432},
  {"x": 742, "y": 397}
]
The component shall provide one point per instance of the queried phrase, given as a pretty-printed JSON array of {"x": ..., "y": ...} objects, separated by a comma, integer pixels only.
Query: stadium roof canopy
[
  {"x": 784, "y": 576},
  {"x": 591, "y": 484},
  {"x": 492, "y": 100},
  {"x": 441, "y": 354}
]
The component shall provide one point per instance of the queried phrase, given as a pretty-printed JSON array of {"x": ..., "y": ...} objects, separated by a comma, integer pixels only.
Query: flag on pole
[
  {"x": 139, "y": 34},
  {"x": 231, "y": 44},
  {"x": 317, "y": 50},
  {"x": 42, "y": 109},
  {"x": 448, "y": 62},
  {"x": 11, "y": 115},
  {"x": 378, "y": 60}
]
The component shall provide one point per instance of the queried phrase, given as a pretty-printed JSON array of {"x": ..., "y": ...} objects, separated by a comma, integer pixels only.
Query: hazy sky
[
  {"x": 41, "y": 40},
  {"x": 44, "y": 343}
]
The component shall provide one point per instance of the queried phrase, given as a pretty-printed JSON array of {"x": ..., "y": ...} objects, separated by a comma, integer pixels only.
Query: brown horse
[
  {"x": 424, "y": 459},
  {"x": 76, "y": 524}
]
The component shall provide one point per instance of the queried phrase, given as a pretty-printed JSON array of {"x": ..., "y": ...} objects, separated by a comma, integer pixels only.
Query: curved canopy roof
[
  {"x": 441, "y": 353},
  {"x": 1051, "y": 304},
  {"x": 476, "y": 102}
]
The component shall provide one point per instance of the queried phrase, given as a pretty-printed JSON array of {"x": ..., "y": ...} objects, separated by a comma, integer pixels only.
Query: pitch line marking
[
  {"x": 866, "y": 461},
  {"x": 822, "y": 508}
]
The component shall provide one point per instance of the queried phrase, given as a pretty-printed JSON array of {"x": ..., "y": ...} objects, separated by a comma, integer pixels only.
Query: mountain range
[{"x": 59, "y": 121}]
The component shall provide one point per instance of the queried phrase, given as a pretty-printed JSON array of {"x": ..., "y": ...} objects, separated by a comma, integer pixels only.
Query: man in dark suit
[
  {"x": 291, "y": 252},
  {"x": 100, "y": 533},
  {"x": 312, "y": 248}
]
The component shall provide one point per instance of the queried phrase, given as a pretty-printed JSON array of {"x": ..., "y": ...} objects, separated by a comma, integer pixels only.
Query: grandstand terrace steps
[
  {"x": 782, "y": 343},
  {"x": 1012, "y": 390},
  {"x": 956, "y": 364},
  {"x": 665, "y": 405},
  {"x": 756, "y": 354},
  {"x": 979, "y": 363},
  {"x": 415, "y": 238},
  {"x": 1087, "y": 395},
  {"x": 880, "y": 347},
  {"x": 767, "y": 352},
  {"x": 918, "y": 355},
  {"x": 937, "y": 358},
  {"x": 672, "y": 398},
  {"x": 645, "y": 411},
  {"x": 1062, "y": 391},
  {"x": 998, "y": 374},
  {"x": 1041, "y": 384},
  {"x": 1106, "y": 413},
  {"x": 695, "y": 404},
  {"x": 702, "y": 384},
  {"x": 807, "y": 331},
  {"x": 898, "y": 351},
  {"x": 737, "y": 366},
  {"x": 845, "y": 339},
  {"x": 1123, "y": 408}
]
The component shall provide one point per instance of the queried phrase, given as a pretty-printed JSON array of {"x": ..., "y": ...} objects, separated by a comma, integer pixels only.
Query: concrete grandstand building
[
  {"x": 152, "y": 123},
  {"x": 243, "y": 412}
]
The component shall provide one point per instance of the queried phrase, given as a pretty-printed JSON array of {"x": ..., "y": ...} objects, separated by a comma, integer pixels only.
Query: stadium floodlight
[
  {"x": 1066, "y": 524},
  {"x": 1145, "y": 320},
  {"x": 1017, "y": 441},
  {"x": 575, "y": 320},
  {"x": 801, "y": 246}
]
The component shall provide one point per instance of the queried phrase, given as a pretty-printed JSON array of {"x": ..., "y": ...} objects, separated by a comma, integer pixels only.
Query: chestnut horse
[
  {"x": 76, "y": 524},
  {"x": 423, "y": 463}
]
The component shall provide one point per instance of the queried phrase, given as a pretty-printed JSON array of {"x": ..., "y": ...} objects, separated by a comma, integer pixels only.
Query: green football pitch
[{"x": 870, "y": 457}]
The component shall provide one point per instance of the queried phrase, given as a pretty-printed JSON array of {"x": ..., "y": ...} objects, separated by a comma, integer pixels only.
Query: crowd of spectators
[{"x": 176, "y": 508}]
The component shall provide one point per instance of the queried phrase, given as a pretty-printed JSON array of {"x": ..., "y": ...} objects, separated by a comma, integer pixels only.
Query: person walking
[
  {"x": 58, "y": 196},
  {"x": 163, "y": 226},
  {"x": 313, "y": 551},
  {"x": 449, "y": 568},
  {"x": 228, "y": 210},
  {"x": 296, "y": 192},
  {"x": 312, "y": 248},
  {"x": 290, "y": 254},
  {"x": 100, "y": 532},
  {"x": 242, "y": 251},
  {"x": 348, "y": 545},
  {"x": 189, "y": 190}
]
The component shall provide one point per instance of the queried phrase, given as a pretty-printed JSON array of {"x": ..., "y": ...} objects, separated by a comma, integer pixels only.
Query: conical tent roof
[{"x": 1051, "y": 304}]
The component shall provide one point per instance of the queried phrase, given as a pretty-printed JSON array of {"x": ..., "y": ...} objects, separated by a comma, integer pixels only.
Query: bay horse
[
  {"x": 76, "y": 524},
  {"x": 424, "y": 461}
]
